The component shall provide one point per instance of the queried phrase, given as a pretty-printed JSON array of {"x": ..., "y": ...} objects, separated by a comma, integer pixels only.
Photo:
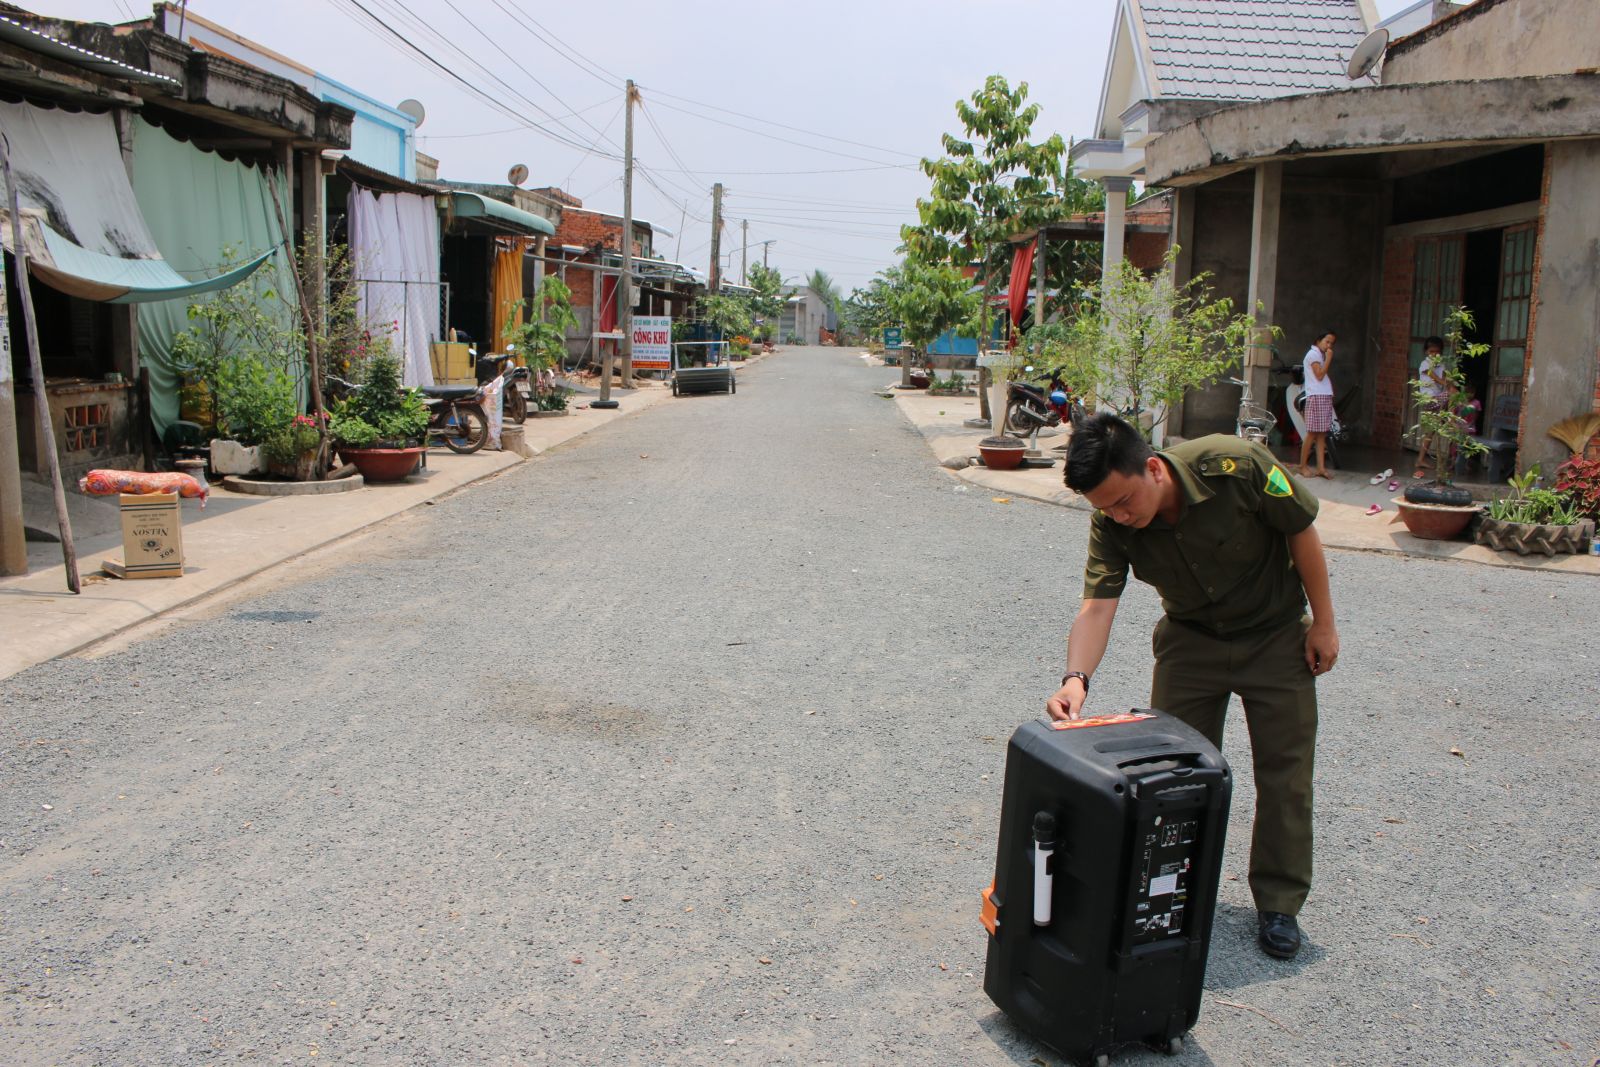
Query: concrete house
[
  {"x": 1466, "y": 172},
  {"x": 1171, "y": 61}
]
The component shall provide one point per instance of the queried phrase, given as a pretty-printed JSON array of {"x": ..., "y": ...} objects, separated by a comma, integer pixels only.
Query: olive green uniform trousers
[{"x": 1194, "y": 675}]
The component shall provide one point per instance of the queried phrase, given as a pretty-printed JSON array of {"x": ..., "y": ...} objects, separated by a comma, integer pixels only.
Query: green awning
[
  {"x": 89, "y": 275},
  {"x": 512, "y": 219}
]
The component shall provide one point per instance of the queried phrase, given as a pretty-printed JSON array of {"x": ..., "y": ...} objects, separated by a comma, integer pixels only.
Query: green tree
[
  {"x": 930, "y": 299},
  {"x": 541, "y": 341},
  {"x": 989, "y": 185},
  {"x": 767, "y": 302},
  {"x": 826, "y": 288},
  {"x": 869, "y": 309},
  {"x": 1141, "y": 343},
  {"x": 1440, "y": 422}
]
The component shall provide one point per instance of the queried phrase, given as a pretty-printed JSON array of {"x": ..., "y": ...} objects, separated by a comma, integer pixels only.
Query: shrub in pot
[
  {"x": 380, "y": 427},
  {"x": 1535, "y": 519},
  {"x": 1439, "y": 422},
  {"x": 291, "y": 452}
]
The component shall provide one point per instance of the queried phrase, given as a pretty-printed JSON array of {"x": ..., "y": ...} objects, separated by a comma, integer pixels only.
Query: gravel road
[{"x": 682, "y": 744}]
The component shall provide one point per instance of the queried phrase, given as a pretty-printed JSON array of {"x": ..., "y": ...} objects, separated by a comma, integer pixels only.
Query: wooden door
[
  {"x": 1435, "y": 289},
  {"x": 1508, "y": 358}
]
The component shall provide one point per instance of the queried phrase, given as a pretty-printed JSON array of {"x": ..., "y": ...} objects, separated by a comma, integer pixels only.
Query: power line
[
  {"x": 785, "y": 140},
  {"x": 475, "y": 90},
  {"x": 560, "y": 47},
  {"x": 510, "y": 129},
  {"x": 782, "y": 125},
  {"x": 530, "y": 76}
]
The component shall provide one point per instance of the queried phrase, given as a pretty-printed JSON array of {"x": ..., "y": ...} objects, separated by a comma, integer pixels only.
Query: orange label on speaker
[{"x": 1101, "y": 720}]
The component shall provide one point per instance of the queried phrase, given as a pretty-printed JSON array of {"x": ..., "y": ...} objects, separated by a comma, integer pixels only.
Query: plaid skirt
[{"x": 1319, "y": 414}]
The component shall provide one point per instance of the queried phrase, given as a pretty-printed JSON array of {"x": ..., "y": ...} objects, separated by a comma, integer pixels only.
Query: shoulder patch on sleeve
[{"x": 1278, "y": 482}]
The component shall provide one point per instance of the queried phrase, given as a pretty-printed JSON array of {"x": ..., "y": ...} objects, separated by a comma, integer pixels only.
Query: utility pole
[
  {"x": 766, "y": 246},
  {"x": 624, "y": 290},
  {"x": 744, "y": 251},
  {"x": 716, "y": 239},
  {"x": 625, "y": 283}
]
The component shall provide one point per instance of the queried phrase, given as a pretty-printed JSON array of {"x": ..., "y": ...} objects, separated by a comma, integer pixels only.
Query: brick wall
[
  {"x": 1394, "y": 337},
  {"x": 1146, "y": 251}
]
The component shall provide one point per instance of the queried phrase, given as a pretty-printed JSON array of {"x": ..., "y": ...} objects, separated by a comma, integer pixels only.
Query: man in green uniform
[{"x": 1226, "y": 537}]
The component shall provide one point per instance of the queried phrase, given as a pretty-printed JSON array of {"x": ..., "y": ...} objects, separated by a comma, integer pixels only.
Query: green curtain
[{"x": 198, "y": 205}]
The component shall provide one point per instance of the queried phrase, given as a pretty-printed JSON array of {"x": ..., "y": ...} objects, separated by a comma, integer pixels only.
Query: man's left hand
[{"x": 1322, "y": 647}]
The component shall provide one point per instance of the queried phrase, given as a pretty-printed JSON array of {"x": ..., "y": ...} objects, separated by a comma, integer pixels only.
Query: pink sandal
[{"x": 1373, "y": 509}]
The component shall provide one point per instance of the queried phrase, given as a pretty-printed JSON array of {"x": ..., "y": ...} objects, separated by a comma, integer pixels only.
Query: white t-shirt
[
  {"x": 1426, "y": 382},
  {"x": 1316, "y": 386}
]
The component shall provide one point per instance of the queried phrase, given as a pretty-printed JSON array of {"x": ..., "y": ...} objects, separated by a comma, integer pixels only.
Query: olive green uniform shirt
[{"x": 1223, "y": 567}]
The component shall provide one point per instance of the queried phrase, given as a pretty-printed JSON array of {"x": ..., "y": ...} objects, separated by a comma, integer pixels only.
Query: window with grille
[{"x": 86, "y": 426}]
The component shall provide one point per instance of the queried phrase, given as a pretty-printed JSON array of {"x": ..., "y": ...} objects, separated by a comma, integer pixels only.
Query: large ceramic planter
[
  {"x": 1526, "y": 538},
  {"x": 1001, "y": 453},
  {"x": 230, "y": 457},
  {"x": 383, "y": 464},
  {"x": 1435, "y": 522}
]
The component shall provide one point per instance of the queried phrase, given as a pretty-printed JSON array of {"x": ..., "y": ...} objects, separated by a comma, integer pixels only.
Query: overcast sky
[{"x": 880, "y": 76}]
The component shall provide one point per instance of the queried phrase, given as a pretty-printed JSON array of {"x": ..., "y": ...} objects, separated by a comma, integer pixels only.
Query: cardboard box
[
  {"x": 152, "y": 538},
  {"x": 452, "y": 363}
]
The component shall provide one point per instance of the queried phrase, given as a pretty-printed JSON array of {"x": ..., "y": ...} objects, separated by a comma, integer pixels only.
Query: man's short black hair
[
  {"x": 1433, "y": 342},
  {"x": 1101, "y": 444}
]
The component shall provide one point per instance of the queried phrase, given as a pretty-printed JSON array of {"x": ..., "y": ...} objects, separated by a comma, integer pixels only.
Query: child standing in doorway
[{"x": 1319, "y": 404}]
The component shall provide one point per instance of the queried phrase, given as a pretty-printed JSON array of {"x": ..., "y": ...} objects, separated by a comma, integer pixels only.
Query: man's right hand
[{"x": 1068, "y": 701}]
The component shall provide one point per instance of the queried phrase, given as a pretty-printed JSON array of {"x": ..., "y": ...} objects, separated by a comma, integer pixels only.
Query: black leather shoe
[{"x": 1278, "y": 934}]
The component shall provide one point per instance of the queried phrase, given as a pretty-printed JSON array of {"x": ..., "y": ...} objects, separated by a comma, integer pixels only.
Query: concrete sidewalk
[
  {"x": 234, "y": 538},
  {"x": 1342, "y": 521}
]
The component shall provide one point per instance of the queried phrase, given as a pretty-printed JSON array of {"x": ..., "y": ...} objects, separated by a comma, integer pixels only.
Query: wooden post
[
  {"x": 13, "y": 532},
  {"x": 19, "y": 259}
]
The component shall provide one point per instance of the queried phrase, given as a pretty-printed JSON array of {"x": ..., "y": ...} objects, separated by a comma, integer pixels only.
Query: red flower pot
[
  {"x": 1435, "y": 522},
  {"x": 1001, "y": 453},
  {"x": 383, "y": 464}
]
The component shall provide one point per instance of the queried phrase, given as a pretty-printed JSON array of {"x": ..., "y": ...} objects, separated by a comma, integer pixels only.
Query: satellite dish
[
  {"x": 1367, "y": 54},
  {"x": 517, "y": 174},
  {"x": 413, "y": 108}
]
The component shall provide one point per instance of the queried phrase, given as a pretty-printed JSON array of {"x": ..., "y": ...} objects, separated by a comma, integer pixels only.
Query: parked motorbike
[
  {"x": 515, "y": 393},
  {"x": 1031, "y": 407},
  {"x": 455, "y": 417}
]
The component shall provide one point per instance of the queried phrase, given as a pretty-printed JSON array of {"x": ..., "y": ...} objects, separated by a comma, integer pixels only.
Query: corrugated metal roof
[{"x": 1250, "y": 49}]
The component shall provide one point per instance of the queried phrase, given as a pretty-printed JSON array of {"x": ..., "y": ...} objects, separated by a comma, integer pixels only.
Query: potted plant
[
  {"x": 291, "y": 451},
  {"x": 1439, "y": 422},
  {"x": 955, "y": 385},
  {"x": 1534, "y": 519},
  {"x": 1002, "y": 453},
  {"x": 252, "y": 402},
  {"x": 380, "y": 427},
  {"x": 541, "y": 342}
]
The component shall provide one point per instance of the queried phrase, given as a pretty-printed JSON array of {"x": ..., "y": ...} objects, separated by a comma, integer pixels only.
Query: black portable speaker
[{"x": 1099, "y": 916}]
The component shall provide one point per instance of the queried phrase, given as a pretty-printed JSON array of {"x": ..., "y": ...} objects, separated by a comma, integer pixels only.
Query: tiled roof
[{"x": 1251, "y": 49}]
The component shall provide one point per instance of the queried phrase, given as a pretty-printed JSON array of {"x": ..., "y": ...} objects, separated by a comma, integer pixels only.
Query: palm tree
[{"x": 826, "y": 288}]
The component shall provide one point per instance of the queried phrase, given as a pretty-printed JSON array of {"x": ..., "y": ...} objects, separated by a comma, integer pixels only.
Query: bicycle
[{"x": 1254, "y": 422}]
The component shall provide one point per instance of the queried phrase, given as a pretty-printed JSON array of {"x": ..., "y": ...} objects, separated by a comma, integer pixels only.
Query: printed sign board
[
  {"x": 652, "y": 342},
  {"x": 892, "y": 338}
]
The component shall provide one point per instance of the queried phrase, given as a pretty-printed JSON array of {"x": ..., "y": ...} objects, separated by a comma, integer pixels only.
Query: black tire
[
  {"x": 1015, "y": 424},
  {"x": 473, "y": 430},
  {"x": 516, "y": 405},
  {"x": 1426, "y": 493}
]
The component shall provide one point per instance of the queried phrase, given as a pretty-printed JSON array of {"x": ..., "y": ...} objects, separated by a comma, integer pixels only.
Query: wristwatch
[{"x": 1080, "y": 676}]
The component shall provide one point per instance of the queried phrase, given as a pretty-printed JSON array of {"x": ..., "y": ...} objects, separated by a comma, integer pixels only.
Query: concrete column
[
  {"x": 1111, "y": 250},
  {"x": 1262, "y": 298},
  {"x": 1565, "y": 332},
  {"x": 1181, "y": 239}
]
